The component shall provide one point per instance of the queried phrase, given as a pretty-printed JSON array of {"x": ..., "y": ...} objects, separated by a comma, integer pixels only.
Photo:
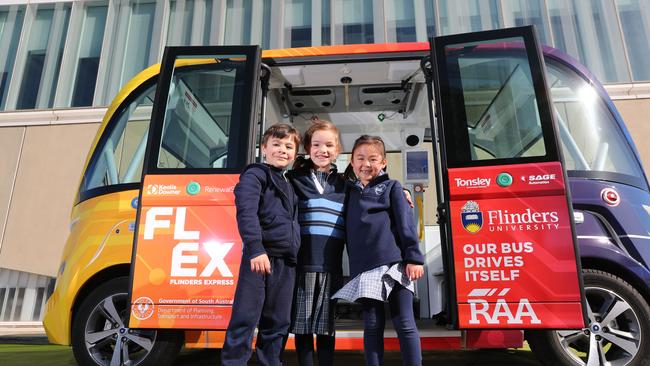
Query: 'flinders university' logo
[{"x": 471, "y": 217}]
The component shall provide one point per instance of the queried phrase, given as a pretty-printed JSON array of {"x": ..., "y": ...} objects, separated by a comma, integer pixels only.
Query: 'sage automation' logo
[{"x": 471, "y": 217}]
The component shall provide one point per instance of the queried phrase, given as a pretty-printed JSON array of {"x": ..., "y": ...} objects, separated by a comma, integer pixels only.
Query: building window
[
  {"x": 588, "y": 30},
  {"x": 11, "y": 24},
  {"x": 468, "y": 16},
  {"x": 190, "y": 22},
  {"x": 138, "y": 42},
  {"x": 43, "y": 56},
  {"x": 266, "y": 25},
  {"x": 238, "y": 22},
  {"x": 357, "y": 16},
  {"x": 297, "y": 23},
  {"x": 90, "y": 48},
  {"x": 9, "y": 307},
  {"x": 131, "y": 34},
  {"x": 326, "y": 28},
  {"x": 635, "y": 20},
  {"x": 180, "y": 23},
  {"x": 430, "y": 13},
  {"x": 400, "y": 21},
  {"x": 38, "y": 304},
  {"x": 518, "y": 13}
]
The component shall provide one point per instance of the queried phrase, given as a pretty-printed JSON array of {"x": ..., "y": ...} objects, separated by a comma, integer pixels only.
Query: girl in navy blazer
[{"x": 384, "y": 253}]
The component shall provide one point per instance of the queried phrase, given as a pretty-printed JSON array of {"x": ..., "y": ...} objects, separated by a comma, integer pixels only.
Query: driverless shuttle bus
[{"x": 531, "y": 203}]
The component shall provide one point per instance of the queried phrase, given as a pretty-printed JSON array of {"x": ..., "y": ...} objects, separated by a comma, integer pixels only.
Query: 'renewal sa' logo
[{"x": 471, "y": 217}]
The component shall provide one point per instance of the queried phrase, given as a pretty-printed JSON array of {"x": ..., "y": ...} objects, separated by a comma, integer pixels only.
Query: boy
[{"x": 268, "y": 225}]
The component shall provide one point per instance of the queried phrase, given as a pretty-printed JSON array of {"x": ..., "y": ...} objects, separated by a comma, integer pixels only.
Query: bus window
[
  {"x": 502, "y": 116},
  {"x": 119, "y": 156},
  {"x": 590, "y": 136},
  {"x": 197, "y": 118}
]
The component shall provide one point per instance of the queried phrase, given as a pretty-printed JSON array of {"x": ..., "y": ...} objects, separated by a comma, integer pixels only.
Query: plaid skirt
[
  {"x": 313, "y": 307},
  {"x": 376, "y": 283}
]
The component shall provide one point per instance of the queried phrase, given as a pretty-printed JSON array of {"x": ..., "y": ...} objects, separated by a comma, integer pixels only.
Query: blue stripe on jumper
[
  {"x": 322, "y": 230},
  {"x": 320, "y": 216},
  {"x": 321, "y": 202}
]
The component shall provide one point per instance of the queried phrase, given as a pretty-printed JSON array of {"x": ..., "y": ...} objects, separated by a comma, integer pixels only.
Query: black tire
[
  {"x": 619, "y": 330},
  {"x": 99, "y": 333}
]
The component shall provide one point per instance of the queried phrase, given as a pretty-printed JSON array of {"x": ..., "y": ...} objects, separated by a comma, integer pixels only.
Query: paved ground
[{"x": 27, "y": 345}]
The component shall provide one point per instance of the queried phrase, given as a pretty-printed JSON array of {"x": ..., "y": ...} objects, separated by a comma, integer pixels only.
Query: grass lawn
[{"x": 30, "y": 354}]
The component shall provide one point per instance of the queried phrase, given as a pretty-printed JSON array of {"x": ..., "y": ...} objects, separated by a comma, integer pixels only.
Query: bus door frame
[
  {"x": 241, "y": 141},
  {"x": 550, "y": 134}
]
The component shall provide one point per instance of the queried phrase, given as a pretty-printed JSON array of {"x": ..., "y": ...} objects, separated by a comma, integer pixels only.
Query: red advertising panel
[
  {"x": 188, "y": 252},
  {"x": 514, "y": 258}
]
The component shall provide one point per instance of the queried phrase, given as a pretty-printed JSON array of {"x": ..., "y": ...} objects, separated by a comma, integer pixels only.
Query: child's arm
[
  {"x": 247, "y": 199},
  {"x": 408, "y": 237}
]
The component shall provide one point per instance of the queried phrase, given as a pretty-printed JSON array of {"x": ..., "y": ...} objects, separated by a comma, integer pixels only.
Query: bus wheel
[
  {"x": 100, "y": 336},
  {"x": 618, "y": 332}
]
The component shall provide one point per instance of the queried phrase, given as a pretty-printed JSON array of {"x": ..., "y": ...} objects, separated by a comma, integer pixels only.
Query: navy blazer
[
  {"x": 267, "y": 215},
  {"x": 380, "y": 226}
]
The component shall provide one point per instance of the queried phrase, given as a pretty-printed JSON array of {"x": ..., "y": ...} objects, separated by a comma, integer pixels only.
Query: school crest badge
[
  {"x": 471, "y": 217},
  {"x": 379, "y": 189}
]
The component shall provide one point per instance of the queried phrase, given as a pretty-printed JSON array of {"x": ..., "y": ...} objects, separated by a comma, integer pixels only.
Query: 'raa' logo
[{"x": 471, "y": 217}]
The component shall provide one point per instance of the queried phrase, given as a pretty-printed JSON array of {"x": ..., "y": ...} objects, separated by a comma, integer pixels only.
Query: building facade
[{"x": 62, "y": 62}]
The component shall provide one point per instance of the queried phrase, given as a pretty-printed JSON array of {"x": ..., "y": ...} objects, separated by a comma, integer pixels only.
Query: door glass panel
[
  {"x": 495, "y": 91},
  {"x": 202, "y": 113}
]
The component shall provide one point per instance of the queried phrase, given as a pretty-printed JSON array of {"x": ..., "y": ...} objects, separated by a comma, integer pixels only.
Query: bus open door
[
  {"x": 187, "y": 248},
  {"x": 507, "y": 223}
]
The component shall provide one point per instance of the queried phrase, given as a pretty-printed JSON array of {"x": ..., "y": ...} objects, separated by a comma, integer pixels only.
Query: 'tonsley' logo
[
  {"x": 471, "y": 217},
  {"x": 473, "y": 182}
]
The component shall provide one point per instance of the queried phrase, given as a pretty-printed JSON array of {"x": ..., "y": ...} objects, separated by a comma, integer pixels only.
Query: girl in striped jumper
[{"x": 321, "y": 193}]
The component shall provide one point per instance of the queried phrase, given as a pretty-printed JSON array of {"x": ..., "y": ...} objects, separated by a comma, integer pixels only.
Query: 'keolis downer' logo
[{"x": 471, "y": 217}]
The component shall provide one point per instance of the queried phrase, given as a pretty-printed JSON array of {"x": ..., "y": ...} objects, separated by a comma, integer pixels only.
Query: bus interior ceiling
[{"x": 385, "y": 98}]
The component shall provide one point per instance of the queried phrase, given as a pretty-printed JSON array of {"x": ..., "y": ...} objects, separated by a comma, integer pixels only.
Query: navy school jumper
[
  {"x": 267, "y": 222},
  {"x": 322, "y": 222},
  {"x": 380, "y": 227}
]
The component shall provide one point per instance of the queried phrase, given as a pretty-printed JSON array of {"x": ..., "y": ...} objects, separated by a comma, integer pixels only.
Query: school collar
[
  {"x": 282, "y": 172},
  {"x": 317, "y": 182},
  {"x": 382, "y": 176}
]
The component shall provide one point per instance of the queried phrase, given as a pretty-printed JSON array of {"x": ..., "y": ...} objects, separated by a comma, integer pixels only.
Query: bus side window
[
  {"x": 118, "y": 157},
  {"x": 589, "y": 133}
]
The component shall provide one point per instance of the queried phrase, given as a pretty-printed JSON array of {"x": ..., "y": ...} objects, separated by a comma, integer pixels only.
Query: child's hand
[
  {"x": 409, "y": 199},
  {"x": 261, "y": 264},
  {"x": 414, "y": 271}
]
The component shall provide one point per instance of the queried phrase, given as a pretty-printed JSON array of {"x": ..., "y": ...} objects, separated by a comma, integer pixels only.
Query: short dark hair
[{"x": 281, "y": 131}]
